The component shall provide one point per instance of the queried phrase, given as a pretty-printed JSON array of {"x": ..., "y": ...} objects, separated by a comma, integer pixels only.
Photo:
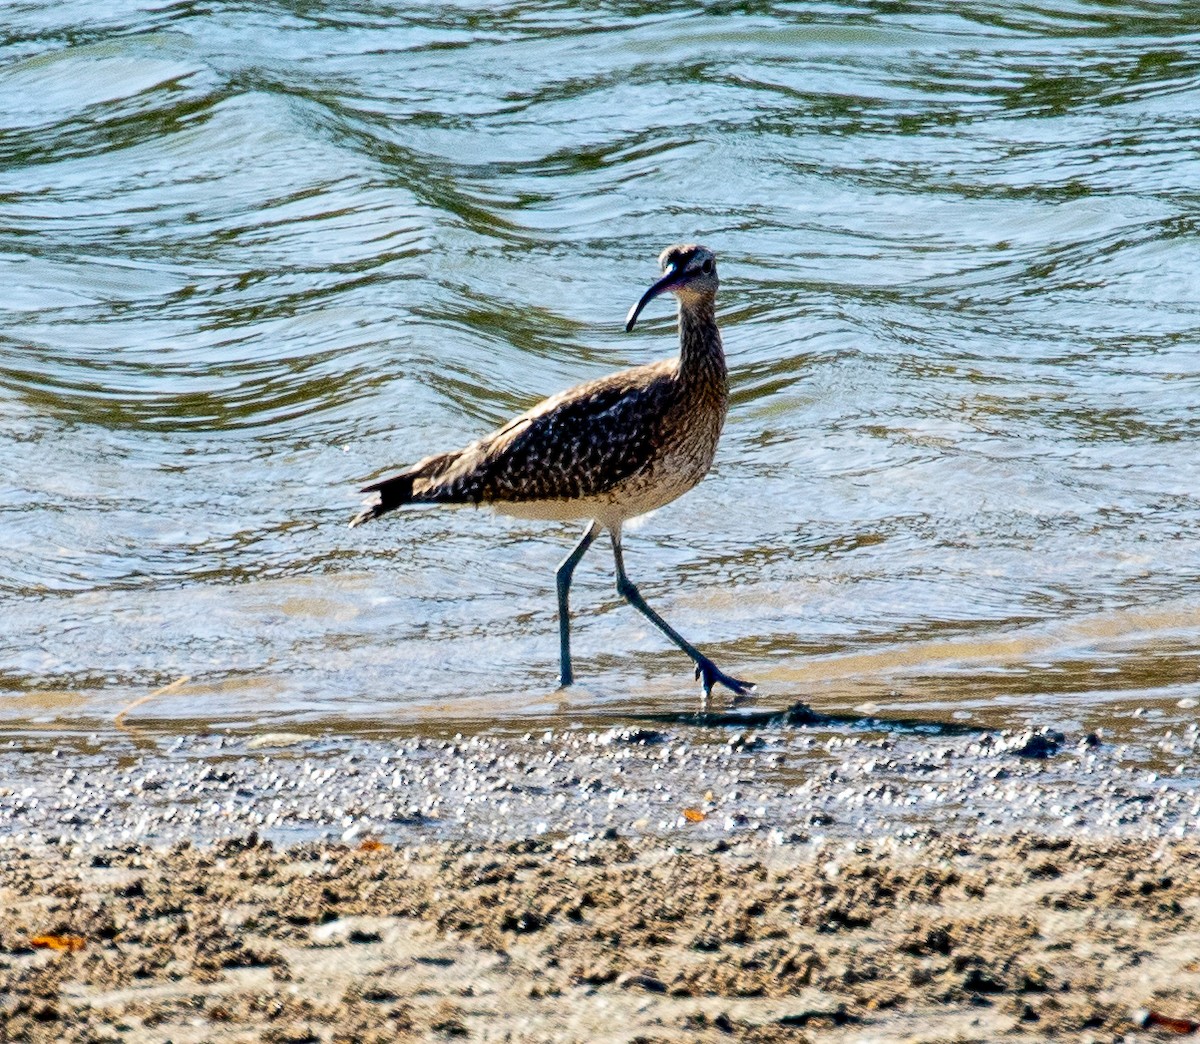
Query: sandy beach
[
  {"x": 613, "y": 939},
  {"x": 782, "y": 882}
]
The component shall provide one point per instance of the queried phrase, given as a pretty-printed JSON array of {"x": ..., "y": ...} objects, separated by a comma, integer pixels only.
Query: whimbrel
[{"x": 605, "y": 451}]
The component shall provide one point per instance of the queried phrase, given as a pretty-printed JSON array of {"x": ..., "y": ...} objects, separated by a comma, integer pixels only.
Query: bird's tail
[
  {"x": 400, "y": 489},
  {"x": 393, "y": 493}
]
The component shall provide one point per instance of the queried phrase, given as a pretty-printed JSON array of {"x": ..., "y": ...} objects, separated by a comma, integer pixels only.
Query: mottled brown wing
[{"x": 576, "y": 444}]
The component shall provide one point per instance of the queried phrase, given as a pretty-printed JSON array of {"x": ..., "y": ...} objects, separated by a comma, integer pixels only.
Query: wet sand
[{"x": 786, "y": 882}]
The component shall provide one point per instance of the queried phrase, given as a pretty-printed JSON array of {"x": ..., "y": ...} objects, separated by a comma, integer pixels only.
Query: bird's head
[{"x": 689, "y": 272}]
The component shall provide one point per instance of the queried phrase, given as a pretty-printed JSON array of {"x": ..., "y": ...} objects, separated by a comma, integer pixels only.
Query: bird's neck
[{"x": 701, "y": 355}]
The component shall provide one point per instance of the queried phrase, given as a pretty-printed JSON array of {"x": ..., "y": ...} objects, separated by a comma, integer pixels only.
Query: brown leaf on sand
[
  {"x": 371, "y": 844},
  {"x": 62, "y": 943},
  {"x": 1149, "y": 1019}
]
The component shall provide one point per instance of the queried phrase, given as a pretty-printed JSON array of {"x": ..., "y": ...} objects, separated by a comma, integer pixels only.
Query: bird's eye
[{"x": 707, "y": 266}]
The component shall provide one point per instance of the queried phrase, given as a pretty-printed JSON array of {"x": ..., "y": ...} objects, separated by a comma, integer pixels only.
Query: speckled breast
[{"x": 687, "y": 440}]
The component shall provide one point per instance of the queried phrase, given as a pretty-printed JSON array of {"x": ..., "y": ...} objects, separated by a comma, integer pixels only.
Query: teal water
[{"x": 255, "y": 253}]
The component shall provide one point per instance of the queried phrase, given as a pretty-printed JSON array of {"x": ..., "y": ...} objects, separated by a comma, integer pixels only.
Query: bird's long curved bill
[{"x": 664, "y": 284}]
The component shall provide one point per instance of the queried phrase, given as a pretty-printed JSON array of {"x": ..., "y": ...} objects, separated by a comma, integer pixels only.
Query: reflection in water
[{"x": 254, "y": 254}]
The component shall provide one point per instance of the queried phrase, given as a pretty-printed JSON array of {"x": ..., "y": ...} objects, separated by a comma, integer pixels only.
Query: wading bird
[{"x": 605, "y": 451}]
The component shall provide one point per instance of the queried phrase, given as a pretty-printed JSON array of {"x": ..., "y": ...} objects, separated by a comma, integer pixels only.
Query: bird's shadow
[{"x": 801, "y": 714}]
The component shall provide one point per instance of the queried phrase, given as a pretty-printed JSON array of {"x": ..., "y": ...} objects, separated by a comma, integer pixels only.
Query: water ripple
[{"x": 256, "y": 253}]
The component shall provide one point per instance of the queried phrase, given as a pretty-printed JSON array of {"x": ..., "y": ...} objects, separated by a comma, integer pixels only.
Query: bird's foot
[{"x": 710, "y": 675}]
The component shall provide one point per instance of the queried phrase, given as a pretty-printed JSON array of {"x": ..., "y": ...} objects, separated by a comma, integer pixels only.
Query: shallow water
[{"x": 254, "y": 254}]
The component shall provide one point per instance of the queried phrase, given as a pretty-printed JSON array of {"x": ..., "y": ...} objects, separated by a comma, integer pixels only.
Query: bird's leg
[
  {"x": 563, "y": 578},
  {"x": 706, "y": 670}
]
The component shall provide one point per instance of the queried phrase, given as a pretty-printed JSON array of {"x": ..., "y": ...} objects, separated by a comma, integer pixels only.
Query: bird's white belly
[{"x": 671, "y": 476}]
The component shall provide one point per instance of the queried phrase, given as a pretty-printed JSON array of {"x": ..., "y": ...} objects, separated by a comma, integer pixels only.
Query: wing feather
[{"x": 576, "y": 444}]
